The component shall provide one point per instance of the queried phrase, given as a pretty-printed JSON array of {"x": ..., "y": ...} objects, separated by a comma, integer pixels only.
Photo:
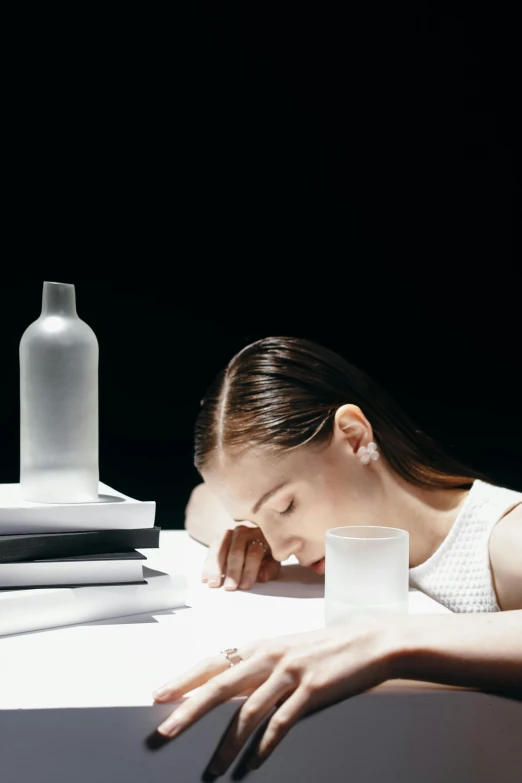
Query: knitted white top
[{"x": 458, "y": 573}]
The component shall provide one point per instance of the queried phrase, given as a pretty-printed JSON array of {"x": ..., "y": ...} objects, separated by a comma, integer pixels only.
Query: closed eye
[{"x": 289, "y": 509}]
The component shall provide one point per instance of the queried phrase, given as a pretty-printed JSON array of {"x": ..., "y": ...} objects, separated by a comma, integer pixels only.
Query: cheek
[{"x": 324, "y": 513}]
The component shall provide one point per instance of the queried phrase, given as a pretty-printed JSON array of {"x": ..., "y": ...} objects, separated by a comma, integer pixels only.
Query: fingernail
[
  {"x": 214, "y": 583},
  {"x": 216, "y": 769},
  {"x": 254, "y": 762},
  {"x": 230, "y": 583},
  {"x": 159, "y": 694},
  {"x": 204, "y": 578},
  {"x": 168, "y": 728}
]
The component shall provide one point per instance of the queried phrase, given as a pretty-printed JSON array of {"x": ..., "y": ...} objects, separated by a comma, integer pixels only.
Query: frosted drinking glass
[
  {"x": 59, "y": 403},
  {"x": 366, "y": 572}
]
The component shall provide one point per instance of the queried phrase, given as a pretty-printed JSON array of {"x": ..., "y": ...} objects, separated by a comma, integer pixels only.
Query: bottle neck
[{"x": 58, "y": 299}]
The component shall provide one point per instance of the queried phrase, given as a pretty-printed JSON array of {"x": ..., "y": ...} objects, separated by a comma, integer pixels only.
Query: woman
[{"x": 284, "y": 443}]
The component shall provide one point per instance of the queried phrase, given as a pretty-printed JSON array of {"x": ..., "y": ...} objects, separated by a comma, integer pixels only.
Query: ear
[{"x": 351, "y": 425}]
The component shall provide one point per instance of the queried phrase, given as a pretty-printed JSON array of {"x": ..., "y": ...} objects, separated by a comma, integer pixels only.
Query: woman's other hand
[{"x": 240, "y": 558}]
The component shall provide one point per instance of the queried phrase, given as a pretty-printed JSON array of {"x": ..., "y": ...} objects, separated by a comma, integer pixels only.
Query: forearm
[
  {"x": 471, "y": 650},
  {"x": 205, "y": 518},
  {"x": 207, "y": 530}
]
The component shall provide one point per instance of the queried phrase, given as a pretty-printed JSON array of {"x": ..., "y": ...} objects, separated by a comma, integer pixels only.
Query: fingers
[
  {"x": 280, "y": 724},
  {"x": 252, "y": 563},
  {"x": 214, "y": 566},
  {"x": 203, "y": 671},
  {"x": 236, "y": 557},
  {"x": 250, "y": 715},
  {"x": 239, "y": 559},
  {"x": 225, "y": 686},
  {"x": 270, "y": 569},
  {"x": 191, "y": 679}
]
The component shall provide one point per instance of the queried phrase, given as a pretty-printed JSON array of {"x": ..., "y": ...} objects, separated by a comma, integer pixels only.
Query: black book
[{"x": 41, "y": 546}]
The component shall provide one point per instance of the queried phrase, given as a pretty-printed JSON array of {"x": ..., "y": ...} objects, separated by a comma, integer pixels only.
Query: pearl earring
[{"x": 367, "y": 454}]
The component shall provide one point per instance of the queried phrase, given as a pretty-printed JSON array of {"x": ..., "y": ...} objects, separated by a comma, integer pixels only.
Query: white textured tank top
[{"x": 458, "y": 573}]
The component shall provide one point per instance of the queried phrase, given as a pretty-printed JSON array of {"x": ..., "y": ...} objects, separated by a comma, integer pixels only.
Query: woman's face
[{"x": 296, "y": 497}]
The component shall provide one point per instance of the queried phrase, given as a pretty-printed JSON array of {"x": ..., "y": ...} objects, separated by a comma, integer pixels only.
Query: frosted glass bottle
[{"x": 59, "y": 403}]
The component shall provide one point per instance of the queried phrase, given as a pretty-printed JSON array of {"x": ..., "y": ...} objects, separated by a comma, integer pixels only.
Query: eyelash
[{"x": 288, "y": 510}]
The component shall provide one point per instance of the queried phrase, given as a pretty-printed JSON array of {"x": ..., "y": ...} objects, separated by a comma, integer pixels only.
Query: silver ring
[
  {"x": 262, "y": 543},
  {"x": 232, "y": 651}
]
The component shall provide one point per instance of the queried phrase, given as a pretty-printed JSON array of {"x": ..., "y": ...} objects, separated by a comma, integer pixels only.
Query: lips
[{"x": 318, "y": 566}]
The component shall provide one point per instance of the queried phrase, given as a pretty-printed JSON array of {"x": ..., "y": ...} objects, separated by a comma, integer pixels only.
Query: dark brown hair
[{"x": 280, "y": 393}]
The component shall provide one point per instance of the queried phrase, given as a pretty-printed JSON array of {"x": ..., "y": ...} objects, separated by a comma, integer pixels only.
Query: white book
[
  {"x": 35, "y": 610},
  {"x": 77, "y": 570},
  {"x": 112, "y": 511}
]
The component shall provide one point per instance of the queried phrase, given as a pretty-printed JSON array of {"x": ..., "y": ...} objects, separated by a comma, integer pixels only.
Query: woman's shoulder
[
  {"x": 503, "y": 504},
  {"x": 505, "y": 554},
  {"x": 495, "y": 492}
]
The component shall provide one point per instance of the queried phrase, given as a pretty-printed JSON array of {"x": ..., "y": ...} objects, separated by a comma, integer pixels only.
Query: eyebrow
[{"x": 263, "y": 499}]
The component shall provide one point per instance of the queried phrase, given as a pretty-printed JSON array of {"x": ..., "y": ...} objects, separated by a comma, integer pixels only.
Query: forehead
[{"x": 242, "y": 478}]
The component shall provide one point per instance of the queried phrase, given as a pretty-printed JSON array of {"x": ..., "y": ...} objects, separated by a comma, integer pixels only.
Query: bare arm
[
  {"x": 471, "y": 650},
  {"x": 310, "y": 670},
  {"x": 475, "y": 650},
  {"x": 505, "y": 554},
  {"x": 205, "y": 518}
]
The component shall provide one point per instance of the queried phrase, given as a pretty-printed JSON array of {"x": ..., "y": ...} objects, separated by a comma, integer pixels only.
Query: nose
[{"x": 281, "y": 550}]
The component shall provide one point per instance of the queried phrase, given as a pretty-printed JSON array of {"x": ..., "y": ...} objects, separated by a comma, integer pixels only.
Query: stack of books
[{"x": 62, "y": 564}]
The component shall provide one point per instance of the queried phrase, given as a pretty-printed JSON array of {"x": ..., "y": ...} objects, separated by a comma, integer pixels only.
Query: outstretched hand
[{"x": 290, "y": 675}]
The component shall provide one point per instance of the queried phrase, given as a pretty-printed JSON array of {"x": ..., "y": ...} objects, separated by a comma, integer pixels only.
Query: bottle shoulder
[{"x": 59, "y": 330}]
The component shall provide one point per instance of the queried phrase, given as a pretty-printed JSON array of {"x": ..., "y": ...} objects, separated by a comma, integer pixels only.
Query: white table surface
[{"x": 119, "y": 662}]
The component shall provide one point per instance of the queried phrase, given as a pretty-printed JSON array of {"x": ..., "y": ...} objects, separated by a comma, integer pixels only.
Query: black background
[{"x": 223, "y": 177}]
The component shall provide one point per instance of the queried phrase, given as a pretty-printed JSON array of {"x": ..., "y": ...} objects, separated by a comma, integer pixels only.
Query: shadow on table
[
  {"x": 294, "y": 581},
  {"x": 129, "y": 619},
  {"x": 136, "y": 619}
]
